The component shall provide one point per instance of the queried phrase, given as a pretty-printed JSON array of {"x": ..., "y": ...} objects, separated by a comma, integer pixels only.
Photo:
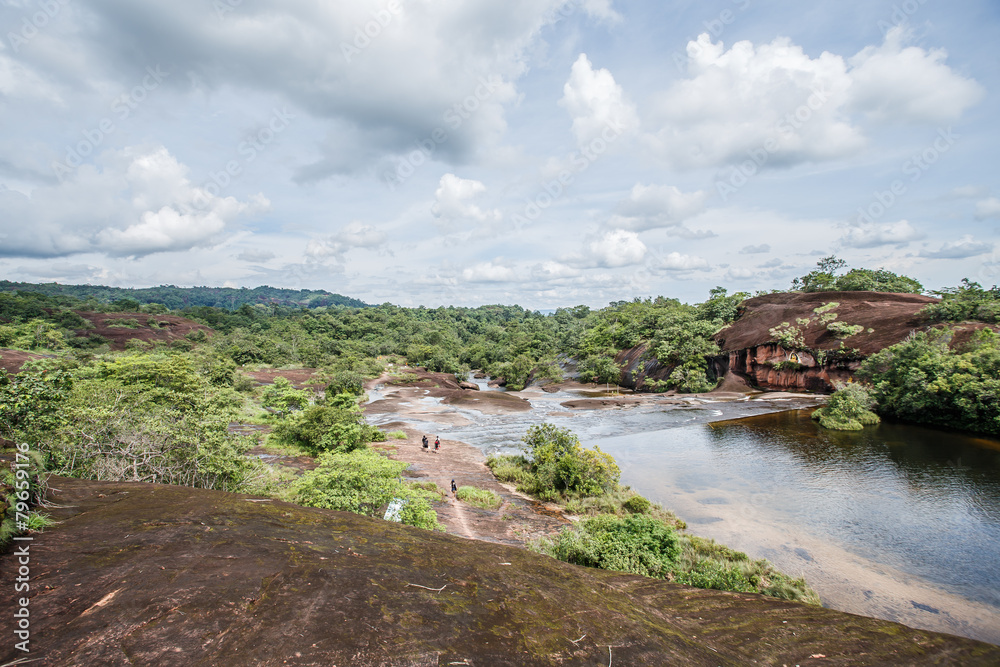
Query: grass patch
[
  {"x": 396, "y": 435},
  {"x": 126, "y": 323},
  {"x": 483, "y": 498},
  {"x": 430, "y": 487}
]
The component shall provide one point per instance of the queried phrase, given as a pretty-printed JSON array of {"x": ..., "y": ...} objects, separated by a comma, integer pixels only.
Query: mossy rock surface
[{"x": 150, "y": 574}]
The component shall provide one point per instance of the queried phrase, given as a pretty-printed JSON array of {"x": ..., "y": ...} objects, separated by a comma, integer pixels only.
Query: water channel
[{"x": 897, "y": 522}]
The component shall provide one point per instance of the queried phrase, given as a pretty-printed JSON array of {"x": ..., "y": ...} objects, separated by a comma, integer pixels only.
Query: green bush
[
  {"x": 848, "y": 409},
  {"x": 321, "y": 428},
  {"x": 922, "y": 380},
  {"x": 637, "y": 543},
  {"x": 637, "y": 505},
  {"x": 364, "y": 482},
  {"x": 562, "y": 466}
]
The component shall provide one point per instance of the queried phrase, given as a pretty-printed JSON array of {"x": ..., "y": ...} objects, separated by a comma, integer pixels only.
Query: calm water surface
[{"x": 923, "y": 503}]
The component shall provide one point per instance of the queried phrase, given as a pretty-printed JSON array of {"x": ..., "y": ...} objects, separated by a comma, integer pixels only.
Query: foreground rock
[{"x": 148, "y": 574}]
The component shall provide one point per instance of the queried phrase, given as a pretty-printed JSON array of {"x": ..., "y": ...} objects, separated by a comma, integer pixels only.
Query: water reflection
[{"x": 923, "y": 501}]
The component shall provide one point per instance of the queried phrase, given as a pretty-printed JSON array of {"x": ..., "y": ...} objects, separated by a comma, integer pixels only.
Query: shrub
[
  {"x": 364, "y": 482},
  {"x": 788, "y": 336},
  {"x": 562, "y": 465},
  {"x": 283, "y": 397},
  {"x": 484, "y": 498},
  {"x": 637, "y": 505},
  {"x": 923, "y": 380},
  {"x": 849, "y": 409},
  {"x": 637, "y": 543},
  {"x": 322, "y": 428}
]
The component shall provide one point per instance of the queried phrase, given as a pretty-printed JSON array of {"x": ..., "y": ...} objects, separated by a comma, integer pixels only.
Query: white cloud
[
  {"x": 756, "y": 249},
  {"x": 652, "y": 206},
  {"x": 452, "y": 202},
  {"x": 961, "y": 249},
  {"x": 677, "y": 262},
  {"x": 354, "y": 235},
  {"x": 896, "y": 82},
  {"x": 775, "y": 103},
  {"x": 133, "y": 202},
  {"x": 547, "y": 271},
  {"x": 602, "y": 9},
  {"x": 988, "y": 208},
  {"x": 881, "y": 234},
  {"x": 596, "y": 103},
  {"x": 489, "y": 272},
  {"x": 613, "y": 249}
]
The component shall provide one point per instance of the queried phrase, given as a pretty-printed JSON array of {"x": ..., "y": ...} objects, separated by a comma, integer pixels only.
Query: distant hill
[{"x": 185, "y": 297}]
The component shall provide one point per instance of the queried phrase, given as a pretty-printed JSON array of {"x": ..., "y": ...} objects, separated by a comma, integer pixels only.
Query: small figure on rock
[
  {"x": 454, "y": 489},
  {"x": 437, "y": 443},
  {"x": 425, "y": 441}
]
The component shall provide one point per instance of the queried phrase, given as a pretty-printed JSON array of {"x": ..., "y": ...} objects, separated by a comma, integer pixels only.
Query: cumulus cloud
[
  {"x": 404, "y": 67},
  {"x": 489, "y": 272},
  {"x": 961, "y": 249},
  {"x": 988, "y": 208},
  {"x": 547, "y": 271},
  {"x": 336, "y": 245},
  {"x": 756, "y": 249},
  {"x": 896, "y": 82},
  {"x": 676, "y": 262},
  {"x": 453, "y": 205},
  {"x": 596, "y": 103},
  {"x": 133, "y": 202},
  {"x": 880, "y": 234},
  {"x": 612, "y": 249},
  {"x": 653, "y": 206},
  {"x": 775, "y": 102}
]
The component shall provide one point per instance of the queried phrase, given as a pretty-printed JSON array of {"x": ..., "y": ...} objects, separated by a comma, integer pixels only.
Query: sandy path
[{"x": 518, "y": 520}]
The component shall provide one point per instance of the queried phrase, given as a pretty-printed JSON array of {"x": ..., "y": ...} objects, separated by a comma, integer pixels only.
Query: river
[{"x": 897, "y": 522}]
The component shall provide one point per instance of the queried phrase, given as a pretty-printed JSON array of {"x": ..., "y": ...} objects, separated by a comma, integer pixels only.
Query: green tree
[
  {"x": 848, "y": 409},
  {"x": 924, "y": 381}
]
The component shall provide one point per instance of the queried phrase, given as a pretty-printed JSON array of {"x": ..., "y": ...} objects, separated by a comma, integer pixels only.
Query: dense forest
[{"x": 172, "y": 298}]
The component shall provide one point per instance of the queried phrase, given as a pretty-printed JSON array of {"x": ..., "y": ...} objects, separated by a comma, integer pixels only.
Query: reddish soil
[
  {"x": 145, "y": 574},
  {"x": 301, "y": 378},
  {"x": 168, "y": 328},
  {"x": 12, "y": 360}
]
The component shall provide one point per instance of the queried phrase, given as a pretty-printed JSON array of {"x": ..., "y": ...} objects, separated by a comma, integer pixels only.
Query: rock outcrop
[
  {"x": 749, "y": 348},
  {"x": 160, "y": 575}
]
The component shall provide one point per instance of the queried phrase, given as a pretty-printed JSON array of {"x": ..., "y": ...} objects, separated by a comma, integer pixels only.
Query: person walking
[
  {"x": 437, "y": 443},
  {"x": 426, "y": 442},
  {"x": 454, "y": 489}
]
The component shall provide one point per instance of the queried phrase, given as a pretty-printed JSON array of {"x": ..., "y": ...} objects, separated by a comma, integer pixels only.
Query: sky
[{"x": 545, "y": 153}]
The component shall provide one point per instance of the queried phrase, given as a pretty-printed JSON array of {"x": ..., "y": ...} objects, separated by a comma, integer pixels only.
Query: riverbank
[{"x": 844, "y": 579}]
